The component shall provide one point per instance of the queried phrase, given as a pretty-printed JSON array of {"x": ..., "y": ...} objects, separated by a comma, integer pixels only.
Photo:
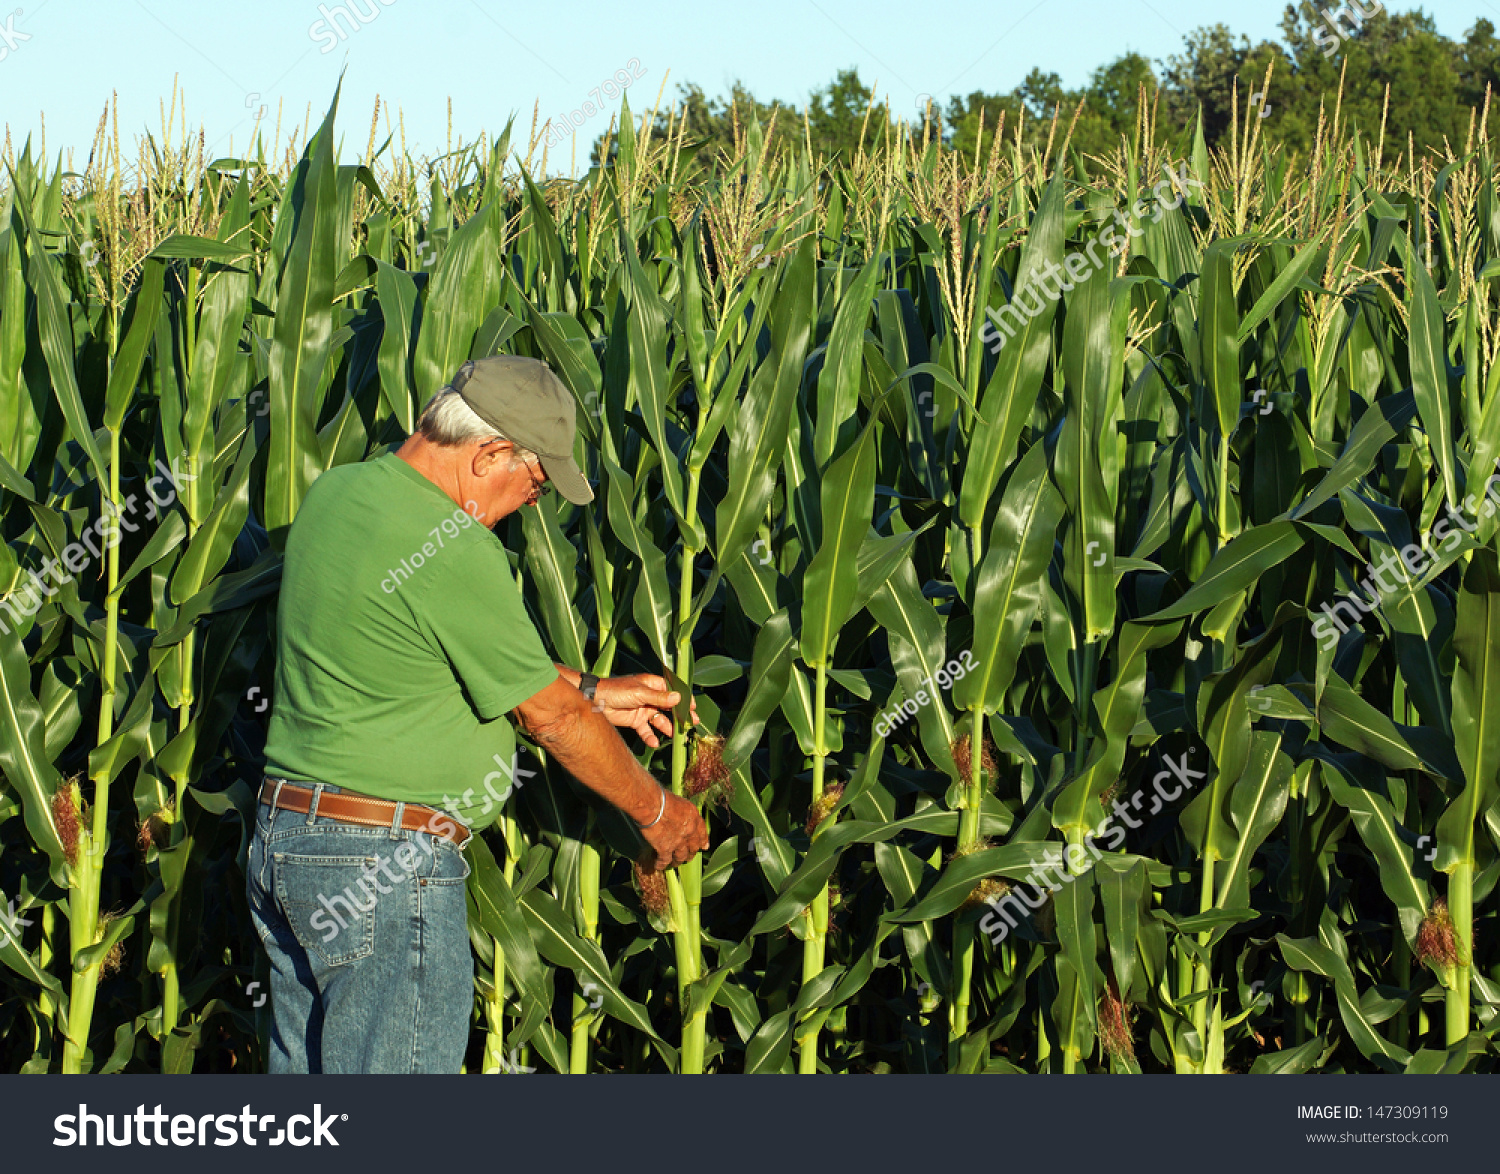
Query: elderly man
[{"x": 402, "y": 643}]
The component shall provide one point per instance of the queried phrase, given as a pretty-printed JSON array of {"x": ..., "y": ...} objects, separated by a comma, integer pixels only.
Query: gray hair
[{"x": 448, "y": 421}]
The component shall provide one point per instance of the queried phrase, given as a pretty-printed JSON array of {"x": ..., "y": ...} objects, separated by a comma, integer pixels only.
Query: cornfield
[{"x": 957, "y": 604}]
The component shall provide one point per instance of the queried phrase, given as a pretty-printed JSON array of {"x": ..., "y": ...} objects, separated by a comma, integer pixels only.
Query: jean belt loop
[
  {"x": 397, "y": 819},
  {"x": 276, "y": 799},
  {"x": 312, "y": 811}
]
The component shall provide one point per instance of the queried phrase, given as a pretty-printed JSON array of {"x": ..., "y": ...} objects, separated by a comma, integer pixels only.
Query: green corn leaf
[
  {"x": 1118, "y": 706},
  {"x": 210, "y": 547},
  {"x": 1218, "y": 336},
  {"x": 27, "y": 768},
  {"x": 832, "y": 579},
  {"x": 953, "y": 887},
  {"x": 1009, "y": 583},
  {"x": 647, "y": 336},
  {"x": 1286, "y": 280},
  {"x": 54, "y": 327},
  {"x": 559, "y": 945},
  {"x": 770, "y": 673},
  {"x": 183, "y": 246},
  {"x": 1087, "y": 456},
  {"x": 464, "y": 288},
  {"x": 1429, "y": 371},
  {"x": 226, "y": 298},
  {"x": 765, "y": 416},
  {"x": 145, "y": 306},
  {"x": 551, "y": 561},
  {"x": 1074, "y": 1009},
  {"x": 1348, "y": 718},
  {"x": 838, "y": 386},
  {"x": 1239, "y": 565},
  {"x": 494, "y": 906},
  {"x": 1476, "y": 711},
  {"x": 1310, "y": 954},
  {"x": 398, "y": 308},
  {"x": 302, "y": 337},
  {"x": 1376, "y": 823},
  {"x": 1011, "y": 392},
  {"x": 1256, "y": 805},
  {"x": 653, "y": 603},
  {"x": 1123, "y": 885},
  {"x": 1290, "y": 1061},
  {"x": 1376, "y": 428},
  {"x": 770, "y": 1048},
  {"x": 918, "y": 647},
  {"x": 903, "y": 875}
]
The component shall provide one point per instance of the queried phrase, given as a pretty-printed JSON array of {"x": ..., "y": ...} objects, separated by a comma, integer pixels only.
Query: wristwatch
[{"x": 587, "y": 683}]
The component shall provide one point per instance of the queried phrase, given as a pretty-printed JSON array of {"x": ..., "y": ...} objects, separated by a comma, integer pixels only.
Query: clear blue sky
[{"x": 495, "y": 59}]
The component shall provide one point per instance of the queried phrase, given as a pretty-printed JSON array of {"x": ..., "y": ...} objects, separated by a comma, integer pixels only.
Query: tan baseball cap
[{"x": 522, "y": 400}]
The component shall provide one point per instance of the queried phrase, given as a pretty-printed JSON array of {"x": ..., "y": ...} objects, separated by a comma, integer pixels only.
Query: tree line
[{"x": 1367, "y": 62}]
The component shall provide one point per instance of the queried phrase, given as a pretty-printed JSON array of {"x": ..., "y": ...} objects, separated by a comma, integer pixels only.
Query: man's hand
[
  {"x": 640, "y": 701},
  {"x": 678, "y": 836},
  {"x": 563, "y": 723}
]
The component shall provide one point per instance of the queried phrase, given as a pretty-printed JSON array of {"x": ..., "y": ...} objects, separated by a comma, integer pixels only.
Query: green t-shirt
[{"x": 402, "y": 644}]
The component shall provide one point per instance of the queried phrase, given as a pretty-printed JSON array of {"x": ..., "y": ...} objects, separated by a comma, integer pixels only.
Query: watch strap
[{"x": 587, "y": 683}]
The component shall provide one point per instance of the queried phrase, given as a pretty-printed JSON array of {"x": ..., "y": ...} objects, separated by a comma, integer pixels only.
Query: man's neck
[{"x": 434, "y": 463}]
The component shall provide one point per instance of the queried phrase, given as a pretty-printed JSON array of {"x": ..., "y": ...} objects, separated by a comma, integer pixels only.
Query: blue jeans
[{"x": 368, "y": 936}]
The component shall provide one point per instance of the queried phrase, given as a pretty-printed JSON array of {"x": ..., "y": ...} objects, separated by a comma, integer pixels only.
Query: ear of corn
[{"x": 954, "y": 613}]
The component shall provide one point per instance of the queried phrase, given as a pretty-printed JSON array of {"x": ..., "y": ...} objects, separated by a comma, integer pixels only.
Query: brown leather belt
[{"x": 366, "y": 811}]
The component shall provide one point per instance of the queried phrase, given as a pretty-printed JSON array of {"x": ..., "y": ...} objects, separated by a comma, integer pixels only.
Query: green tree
[
  {"x": 1204, "y": 77},
  {"x": 1434, "y": 84},
  {"x": 1402, "y": 51},
  {"x": 836, "y": 114},
  {"x": 1480, "y": 66},
  {"x": 965, "y": 116}
]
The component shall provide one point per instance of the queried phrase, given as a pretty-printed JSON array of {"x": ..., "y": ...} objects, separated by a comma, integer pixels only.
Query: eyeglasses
[{"x": 542, "y": 488}]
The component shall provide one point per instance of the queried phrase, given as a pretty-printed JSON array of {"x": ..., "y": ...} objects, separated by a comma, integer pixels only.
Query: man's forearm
[
  {"x": 570, "y": 675},
  {"x": 590, "y": 749}
]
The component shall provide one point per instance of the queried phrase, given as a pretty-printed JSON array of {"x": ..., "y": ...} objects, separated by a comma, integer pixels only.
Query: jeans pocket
[
  {"x": 451, "y": 866},
  {"x": 329, "y": 903}
]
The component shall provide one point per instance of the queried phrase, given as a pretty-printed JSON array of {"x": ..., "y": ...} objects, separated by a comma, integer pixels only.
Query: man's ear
[{"x": 490, "y": 455}]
